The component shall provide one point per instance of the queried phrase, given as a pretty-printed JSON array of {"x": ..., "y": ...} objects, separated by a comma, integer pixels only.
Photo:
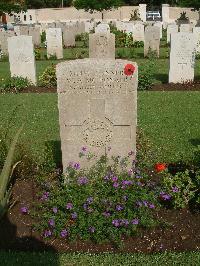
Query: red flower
[
  {"x": 159, "y": 167},
  {"x": 129, "y": 69}
]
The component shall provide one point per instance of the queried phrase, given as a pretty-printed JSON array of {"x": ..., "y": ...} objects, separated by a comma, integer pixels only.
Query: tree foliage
[
  {"x": 7, "y": 6},
  {"x": 190, "y": 3},
  {"x": 96, "y": 5},
  {"x": 47, "y": 3}
]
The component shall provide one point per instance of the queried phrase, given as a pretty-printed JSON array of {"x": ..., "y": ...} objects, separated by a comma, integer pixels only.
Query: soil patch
[
  {"x": 156, "y": 87},
  {"x": 182, "y": 232}
]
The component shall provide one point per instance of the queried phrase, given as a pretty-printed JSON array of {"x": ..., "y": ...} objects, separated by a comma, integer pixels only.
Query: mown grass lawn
[
  {"x": 169, "y": 119},
  {"x": 51, "y": 259}
]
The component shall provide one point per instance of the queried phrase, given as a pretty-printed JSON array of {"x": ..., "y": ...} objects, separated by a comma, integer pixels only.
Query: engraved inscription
[{"x": 97, "y": 133}]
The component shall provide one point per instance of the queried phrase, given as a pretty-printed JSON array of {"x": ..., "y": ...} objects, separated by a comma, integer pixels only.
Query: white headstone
[
  {"x": 185, "y": 28},
  {"x": 54, "y": 43},
  {"x": 102, "y": 45},
  {"x": 102, "y": 28},
  {"x": 196, "y": 31},
  {"x": 21, "y": 57},
  {"x": 151, "y": 40},
  {"x": 182, "y": 57},
  {"x": 159, "y": 25},
  {"x": 97, "y": 108},
  {"x": 172, "y": 28},
  {"x": 68, "y": 38},
  {"x": 138, "y": 32},
  {"x": 35, "y": 33},
  {"x": 4, "y": 35}
]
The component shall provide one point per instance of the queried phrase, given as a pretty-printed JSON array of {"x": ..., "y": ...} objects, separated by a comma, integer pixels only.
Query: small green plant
[
  {"x": 3, "y": 57},
  {"x": 138, "y": 44},
  {"x": 146, "y": 74},
  {"x": 129, "y": 40},
  {"x": 135, "y": 16},
  {"x": 43, "y": 37},
  {"x": 183, "y": 17},
  {"x": 48, "y": 77},
  {"x": 6, "y": 174},
  {"x": 37, "y": 52},
  {"x": 181, "y": 188},
  {"x": 197, "y": 56},
  {"x": 15, "y": 84}
]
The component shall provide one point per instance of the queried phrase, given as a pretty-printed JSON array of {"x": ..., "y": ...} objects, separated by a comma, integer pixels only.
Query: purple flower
[
  {"x": 89, "y": 200},
  {"x": 151, "y": 206},
  {"x": 127, "y": 182},
  {"x": 45, "y": 196},
  {"x": 91, "y": 229},
  {"x": 69, "y": 206},
  {"x": 74, "y": 215},
  {"x": 135, "y": 221},
  {"x": 55, "y": 209},
  {"x": 116, "y": 223},
  {"x": 175, "y": 189},
  {"x": 115, "y": 185},
  {"x": 51, "y": 222},
  {"x": 64, "y": 233},
  {"x": 76, "y": 166},
  {"x": 82, "y": 180},
  {"x": 47, "y": 233},
  {"x": 24, "y": 210},
  {"x": 114, "y": 178},
  {"x": 145, "y": 203},
  {"x": 106, "y": 214},
  {"x": 85, "y": 206},
  {"x": 124, "y": 222},
  {"x": 165, "y": 196},
  {"x": 119, "y": 207},
  {"x": 84, "y": 149}
]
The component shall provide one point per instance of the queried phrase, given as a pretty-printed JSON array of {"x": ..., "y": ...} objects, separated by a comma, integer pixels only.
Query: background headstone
[
  {"x": 35, "y": 33},
  {"x": 21, "y": 57},
  {"x": 185, "y": 28},
  {"x": 68, "y": 38},
  {"x": 138, "y": 32},
  {"x": 102, "y": 45},
  {"x": 196, "y": 31},
  {"x": 4, "y": 35},
  {"x": 151, "y": 40},
  {"x": 54, "y": 43},
  {"x": 172, "y": 28},
  {"x": 182, "y": 57},
  {"x": 97, "y": 108},
  {"x": 102, "y": 28}
]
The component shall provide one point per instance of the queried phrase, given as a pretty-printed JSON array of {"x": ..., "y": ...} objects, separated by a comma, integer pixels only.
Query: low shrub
[
  {"x": 146, "y": 75},
  {"x": 48, "y": 77},
  {"x": 37, "y": 52},
  {"x": 43, "y": 37},
  {"x": 15, "y": 84},
  {"x": 110, "y": 200}
]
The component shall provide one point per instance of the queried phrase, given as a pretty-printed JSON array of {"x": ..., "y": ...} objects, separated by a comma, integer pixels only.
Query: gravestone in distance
[
  {"x": 4, "y": 35},
  {"x": 21, "y": 57},
  {"x": 182, "y": 57},
  {"x": 97, "y": 107},
  {"x": 54, "y": 43},
  {"x": 151, "y": 40},
  {"x": 196, "y": 31},
  {"x": 159, "y": 25},
  {"x": 172, "y": 28},
  {"x": 68, "y": 38},
  {"x": 102, "y": 45},
  {"x": 185, "y": 28},
  {"x": 102, "y": 28},
  {"x": 138, "y": 32},
  {"x": 35, "y": 33}
]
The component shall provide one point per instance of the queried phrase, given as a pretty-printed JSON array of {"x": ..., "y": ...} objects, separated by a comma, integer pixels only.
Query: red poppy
[
  {"x": 129, "y": 69},
  {"x": 159, "y": 167}
]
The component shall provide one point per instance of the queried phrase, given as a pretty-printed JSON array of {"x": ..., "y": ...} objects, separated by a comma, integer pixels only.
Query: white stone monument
[
  {"x": 102, "y": 28},
  {"x": 151, "y": 40},
  {"x": 196, "y": 31},
  {"x": 182, "y": 57},
  {"x": 138, "y": 32},
  {"x": 35, "y": 33},
  {"x": 4, "y": 35},
  {"x": 102, "y": 45},
  {"x": 172, "y": 28},
  {"x": 68, "y": 38},
  {"x": 97, "y": 100},
  {"x": 185, "y": 28},
  {"x": 54, "y": 43},
  {"x": 21, "y": 57}
]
